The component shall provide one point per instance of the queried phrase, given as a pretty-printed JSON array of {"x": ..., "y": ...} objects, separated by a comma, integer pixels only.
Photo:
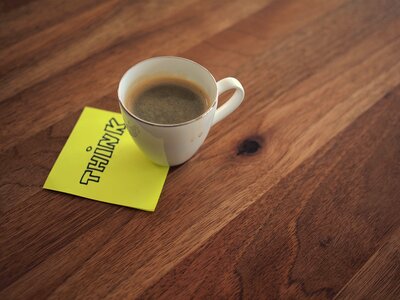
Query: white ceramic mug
[{"x": 173, "y": 144}]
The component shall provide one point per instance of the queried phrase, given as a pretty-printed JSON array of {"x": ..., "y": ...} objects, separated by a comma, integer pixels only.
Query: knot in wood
[{"x": 249, "y": 146}]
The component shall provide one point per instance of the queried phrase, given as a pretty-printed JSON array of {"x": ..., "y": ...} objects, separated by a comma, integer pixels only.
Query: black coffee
[{"x": 167, "y": 100}]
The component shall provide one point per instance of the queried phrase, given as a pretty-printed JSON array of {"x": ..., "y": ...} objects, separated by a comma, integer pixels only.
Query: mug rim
[{"x": 214, "y": 101}]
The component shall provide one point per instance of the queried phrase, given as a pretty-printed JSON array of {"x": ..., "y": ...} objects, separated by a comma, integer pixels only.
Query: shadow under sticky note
[{"x": 100, "y": 161}]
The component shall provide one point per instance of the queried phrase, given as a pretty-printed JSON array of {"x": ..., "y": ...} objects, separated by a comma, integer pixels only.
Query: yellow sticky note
[{"x": 100, "y": 161}]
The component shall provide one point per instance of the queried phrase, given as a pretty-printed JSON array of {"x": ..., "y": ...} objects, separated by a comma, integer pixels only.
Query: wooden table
[{"x": 295, "y": 195}]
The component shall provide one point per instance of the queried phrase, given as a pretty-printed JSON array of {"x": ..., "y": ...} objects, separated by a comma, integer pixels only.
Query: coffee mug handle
[{"x": 228, "y": 107}]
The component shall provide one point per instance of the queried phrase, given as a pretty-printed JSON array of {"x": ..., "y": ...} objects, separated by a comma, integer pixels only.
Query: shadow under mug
[{"x": 173, "y": 144}]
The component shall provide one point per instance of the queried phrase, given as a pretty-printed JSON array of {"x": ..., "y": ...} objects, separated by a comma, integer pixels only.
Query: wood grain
[
  {"x": 375, "y": 278},
  {"x": 298, "y": 239},
  {"x": 79, "y": 81},
  {"x": 295, "y": 195}
]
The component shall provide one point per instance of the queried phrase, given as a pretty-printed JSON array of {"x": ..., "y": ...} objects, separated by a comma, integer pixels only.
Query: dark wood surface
[{"x": 295, "y": 195}]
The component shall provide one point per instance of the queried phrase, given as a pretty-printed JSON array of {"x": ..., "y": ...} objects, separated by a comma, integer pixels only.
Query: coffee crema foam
[{"x": 167, "y": 100}]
